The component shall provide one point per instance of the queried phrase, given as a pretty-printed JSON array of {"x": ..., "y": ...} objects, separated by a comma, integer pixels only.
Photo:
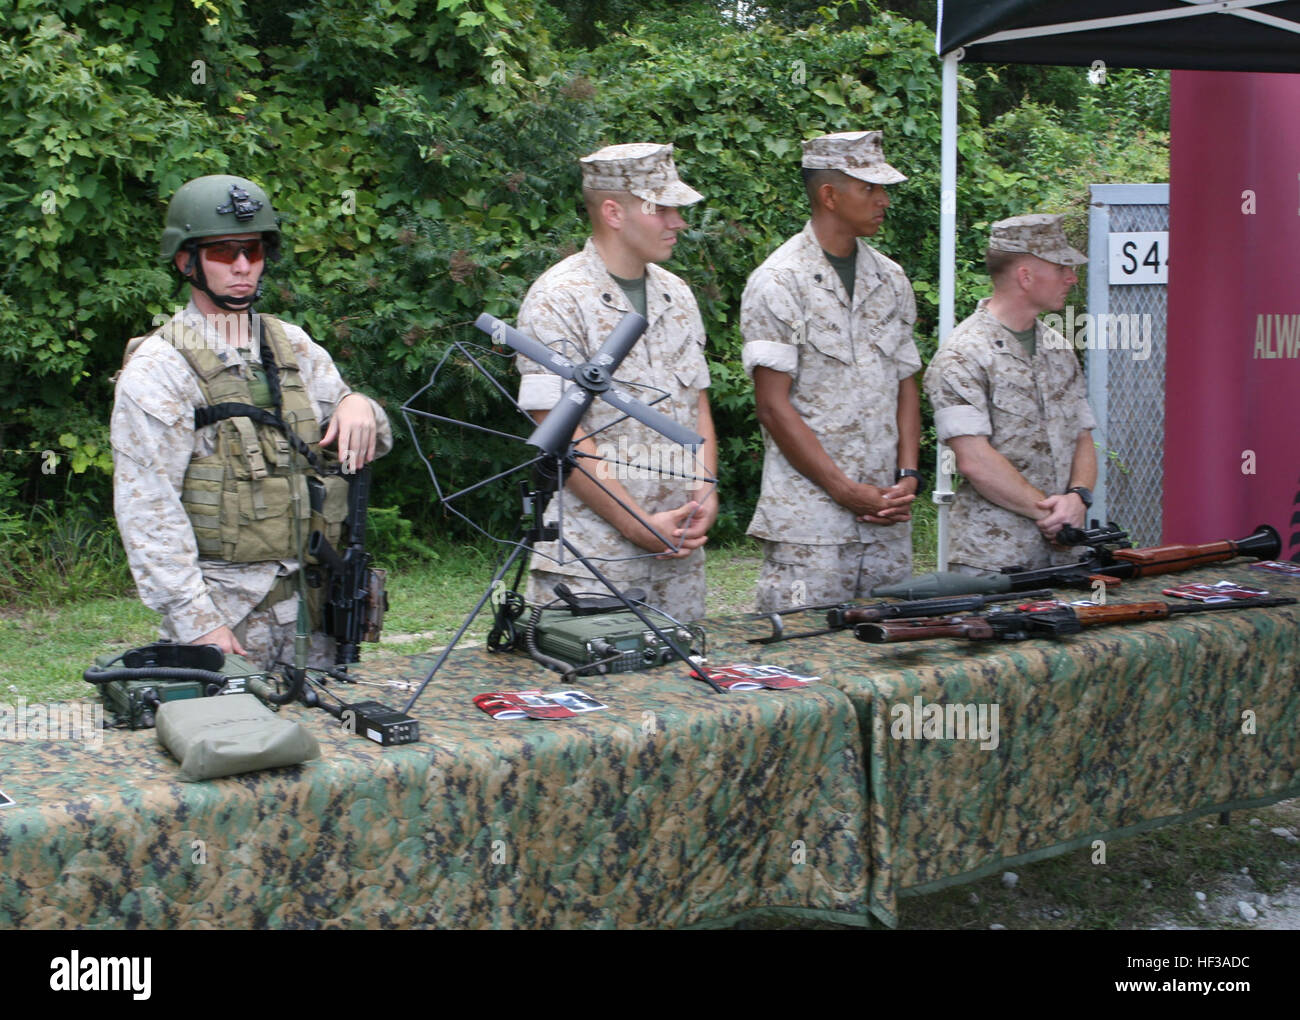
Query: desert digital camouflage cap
[
  {"x": 856, "y": 153},
  {"x": 1038, "y": 234},
  {"x": 643, "y": 168}
]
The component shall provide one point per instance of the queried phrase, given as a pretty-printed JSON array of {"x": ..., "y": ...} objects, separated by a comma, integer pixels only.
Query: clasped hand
[
  {"x": 687, "y": 525},
  {"x": 1062, "y": 509},
  {"x": 873, "y": 505}
]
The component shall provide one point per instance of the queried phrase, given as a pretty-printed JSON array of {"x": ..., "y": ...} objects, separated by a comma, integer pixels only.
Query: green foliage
[
  {"x": 422, "y": 157},
  {"x": 109, "y": 108},
  {"x": 86, "y": 138},
  {"x": 587, "y": 23},
  {"x": 1118, "y": 131},
  {"x": 54, "y": 558},
  {"x": 390, "y": 538}
]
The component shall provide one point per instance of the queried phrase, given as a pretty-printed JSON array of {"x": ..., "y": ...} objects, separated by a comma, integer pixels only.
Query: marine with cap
[
  {"x": 213, "y": 516},
  {"x": 1010, "y": 401},
  {"x": 827, "y": 325},
  {"x": 632, "y": 194}
]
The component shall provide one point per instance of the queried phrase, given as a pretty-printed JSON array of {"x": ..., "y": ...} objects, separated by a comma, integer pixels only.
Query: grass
[
  {"x": 46, "y": 641},
  {"x": 430, "y": 601},
  {"x": 48, "y": 559},
  {"x": 43, "y": 651}
]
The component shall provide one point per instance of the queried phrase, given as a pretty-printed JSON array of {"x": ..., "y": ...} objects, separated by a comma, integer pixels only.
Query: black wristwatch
[
  {"x": 1083, "y": 493},
  {"x": 902, "y": 473}
]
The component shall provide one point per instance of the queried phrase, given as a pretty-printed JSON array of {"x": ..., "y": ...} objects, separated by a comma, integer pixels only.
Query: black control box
[{"x": 379, "y": 723}]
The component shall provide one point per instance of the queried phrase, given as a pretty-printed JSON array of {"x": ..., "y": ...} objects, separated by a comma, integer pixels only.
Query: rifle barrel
[{"x": 358, "y": 504}]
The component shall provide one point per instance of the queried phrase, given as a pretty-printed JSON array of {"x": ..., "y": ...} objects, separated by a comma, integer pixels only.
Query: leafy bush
[
  {"x": 53, "y": 558},
  {"x": 423, "y": 160}
]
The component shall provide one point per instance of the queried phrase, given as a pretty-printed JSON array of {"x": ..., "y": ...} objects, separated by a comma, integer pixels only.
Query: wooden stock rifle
[
  {"x": 1052, "y": 620},
  {"x": 1107, "y": 564},
  {"x": 843, "y": 615}
]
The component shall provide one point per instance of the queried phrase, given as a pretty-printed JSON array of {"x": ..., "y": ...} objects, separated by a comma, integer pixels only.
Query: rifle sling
[{"x": 213, "y": 413}]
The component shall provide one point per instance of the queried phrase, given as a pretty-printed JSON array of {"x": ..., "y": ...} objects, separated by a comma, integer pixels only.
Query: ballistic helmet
[{"x": 215, "y": 205}]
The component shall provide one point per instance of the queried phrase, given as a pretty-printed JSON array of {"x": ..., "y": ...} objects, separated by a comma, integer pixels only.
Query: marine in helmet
[{"x": 214, "y": 507}]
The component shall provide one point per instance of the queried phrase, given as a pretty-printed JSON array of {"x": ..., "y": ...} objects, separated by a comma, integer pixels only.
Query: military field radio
[
  {"x": 615, "y": 633},
  {"x": 578, "y": 635},
  {"x": 135, "y": 683}
]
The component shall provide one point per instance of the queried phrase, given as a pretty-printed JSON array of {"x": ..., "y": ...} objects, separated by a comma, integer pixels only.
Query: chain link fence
[{"x": 1127, "y": 386}]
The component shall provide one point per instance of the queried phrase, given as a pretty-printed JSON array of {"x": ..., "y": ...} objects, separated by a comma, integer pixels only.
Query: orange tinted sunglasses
[{"x": 228, "y": 251}]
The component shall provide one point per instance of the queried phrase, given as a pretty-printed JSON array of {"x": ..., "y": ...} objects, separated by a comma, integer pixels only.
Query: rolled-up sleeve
[
  {"x": 1082, "y": 409},
  {"x": 693, "y": 372},
  {"x": 542, "y": 317},
  {"x": 326, "y": 388},
  {"x": 958, "y": 395},
  {"x": 771, "y": 325},
  {"x": 901, "y": 347}
]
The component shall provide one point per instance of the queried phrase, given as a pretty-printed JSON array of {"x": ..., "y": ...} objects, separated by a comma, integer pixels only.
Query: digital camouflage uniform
[
  {"x": 846, "y": 360},
  {"x": 154, "y": 441},
  {"x": 983, "y": 383},
  {"x": 579, "y": 302}
]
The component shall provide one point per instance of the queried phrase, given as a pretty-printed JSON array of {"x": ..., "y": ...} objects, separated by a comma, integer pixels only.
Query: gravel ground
[{"x": 1233, "y": 901}]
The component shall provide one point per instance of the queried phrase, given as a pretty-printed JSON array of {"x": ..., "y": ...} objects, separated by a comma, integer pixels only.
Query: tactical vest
[{"x": 242, "y": 500}]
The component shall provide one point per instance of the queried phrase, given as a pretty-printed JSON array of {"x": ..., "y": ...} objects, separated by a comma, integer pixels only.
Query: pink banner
[{"x": 1232, "y": 395}]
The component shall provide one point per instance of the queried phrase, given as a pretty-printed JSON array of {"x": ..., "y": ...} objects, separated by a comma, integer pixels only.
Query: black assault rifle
[{"x": 355, "y": 597}]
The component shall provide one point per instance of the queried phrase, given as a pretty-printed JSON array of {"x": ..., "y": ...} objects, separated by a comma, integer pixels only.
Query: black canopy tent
[
  {"x": 1218, "y": 35},
  {"x": 1206, "y": 35}
]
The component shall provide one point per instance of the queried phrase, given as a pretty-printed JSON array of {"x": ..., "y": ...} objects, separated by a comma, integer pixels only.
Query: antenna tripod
[{"x": 558, "y": 455}]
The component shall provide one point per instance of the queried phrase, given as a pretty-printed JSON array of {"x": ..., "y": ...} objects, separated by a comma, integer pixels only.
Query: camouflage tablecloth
[
  {"x": 675, "y": 807},
  {"x": 1100, "y": 734}
]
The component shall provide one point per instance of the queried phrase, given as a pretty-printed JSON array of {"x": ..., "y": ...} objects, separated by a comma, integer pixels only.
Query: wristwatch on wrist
[
  {"x": 1083, "y": 493},
  {"x": 902, "y": 473}
]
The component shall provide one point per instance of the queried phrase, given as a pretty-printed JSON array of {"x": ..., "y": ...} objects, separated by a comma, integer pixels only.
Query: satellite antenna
[{"x": 557, "y": 456}]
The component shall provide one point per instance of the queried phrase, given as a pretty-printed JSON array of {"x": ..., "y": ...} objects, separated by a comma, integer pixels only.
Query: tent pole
[{"x": 942, "y": 494}]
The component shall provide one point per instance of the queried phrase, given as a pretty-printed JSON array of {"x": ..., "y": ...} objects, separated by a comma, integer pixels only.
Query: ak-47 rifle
[
  {"x": 1108, "y": 564},
  {"x": 843, "y": 615},
  {"x": 1049, "y": 621},
  {"x": 356, "y": 599}
]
